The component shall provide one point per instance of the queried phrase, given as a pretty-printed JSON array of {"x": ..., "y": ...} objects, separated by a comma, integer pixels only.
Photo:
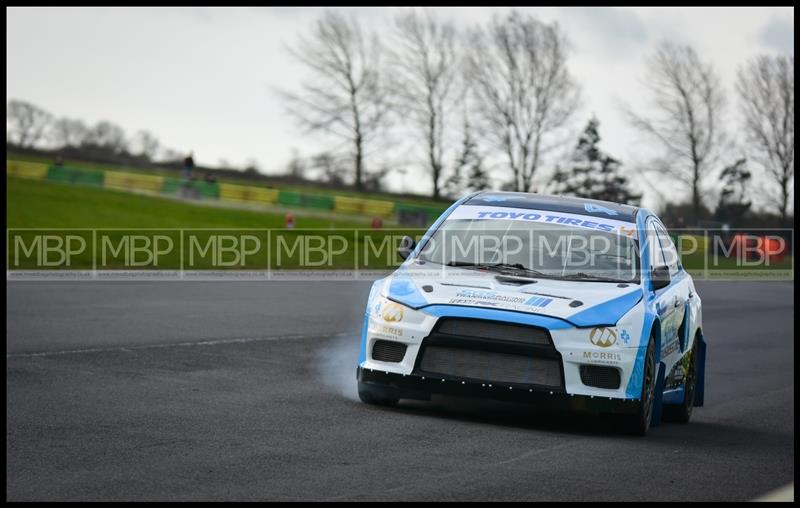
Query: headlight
[{"x": 392, "y": 313}]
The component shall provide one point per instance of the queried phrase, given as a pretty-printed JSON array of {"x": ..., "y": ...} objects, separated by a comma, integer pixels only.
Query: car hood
[{"x": 580, "y": 303}]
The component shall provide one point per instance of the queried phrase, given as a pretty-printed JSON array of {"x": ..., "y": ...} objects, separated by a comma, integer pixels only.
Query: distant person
[
  {"x": 210, "y": 178},
  {"x": 188, "y": 166},
  {"x": 59, "y": 161}
]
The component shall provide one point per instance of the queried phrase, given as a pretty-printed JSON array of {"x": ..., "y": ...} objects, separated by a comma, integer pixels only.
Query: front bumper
[
  {"x": 416, "y": 329},
  {"x": 419, "y": 387}
]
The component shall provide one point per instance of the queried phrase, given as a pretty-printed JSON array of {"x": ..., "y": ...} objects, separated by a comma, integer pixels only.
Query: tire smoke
[{"x": 336, "y": 364}]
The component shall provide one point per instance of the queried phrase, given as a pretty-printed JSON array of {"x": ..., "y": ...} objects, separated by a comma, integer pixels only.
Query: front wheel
[
  {"x": 639, "y": 423},
  {"x": 372, "y": 395}
]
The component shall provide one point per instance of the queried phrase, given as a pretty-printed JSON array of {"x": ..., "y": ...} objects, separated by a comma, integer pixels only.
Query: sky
[{"x": 205, "y": 79}]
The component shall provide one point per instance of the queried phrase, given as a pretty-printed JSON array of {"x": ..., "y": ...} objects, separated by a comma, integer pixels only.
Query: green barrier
[
  {"x": 305, "y": 200},
  {"x": 405, "y": 213},
  {"x": 78, "y": 176},
  {"x": 194, "y": 188},
  {"x": 171, "y": 185},
  {"x": 430, "y": 211},
  {"x": 208, "y": 189},
  {"x": 416, "y": 215}
]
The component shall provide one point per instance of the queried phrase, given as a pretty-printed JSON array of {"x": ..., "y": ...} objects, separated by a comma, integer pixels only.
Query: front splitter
[{"x": 419, "y": 387}]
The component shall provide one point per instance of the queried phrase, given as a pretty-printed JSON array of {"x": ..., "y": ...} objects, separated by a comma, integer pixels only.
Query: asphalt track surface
[{"x": 245, "y": 391}]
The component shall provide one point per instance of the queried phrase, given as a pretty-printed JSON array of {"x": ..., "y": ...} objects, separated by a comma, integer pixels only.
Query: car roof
[{"x": 565, "y": 204}]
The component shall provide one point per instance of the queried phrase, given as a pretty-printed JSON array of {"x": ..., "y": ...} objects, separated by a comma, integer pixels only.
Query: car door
[
  {"x": 665, "y": 298},
  {"x": 676, "y": 297},
  {"x": 681, "y": 281}
]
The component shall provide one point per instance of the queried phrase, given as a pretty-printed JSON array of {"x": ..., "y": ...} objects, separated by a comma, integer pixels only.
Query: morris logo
[
  {"x": 603, "y": 337},
  {"x": 392, "y": 313}
]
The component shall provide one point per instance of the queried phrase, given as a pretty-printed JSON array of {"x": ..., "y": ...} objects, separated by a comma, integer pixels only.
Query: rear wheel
[
  {"x": 683, "y": 412},
  {"x": 374, "y": 396},
  {"x": 639, "y": 422}
]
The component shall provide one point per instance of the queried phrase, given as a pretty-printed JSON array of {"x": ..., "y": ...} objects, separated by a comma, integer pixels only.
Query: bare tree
[
  {"x": 766, "y": 94},
  {"x": 687, "y": 103},
  {"x": 69, "y": 132},
  {"x": 328, "y": 168},
  {"x": 468, "y": 168},
  {"x": 297, "y": 166},
  {"x": 426, "y": 67},
  {"x": 344, "y": 97},
  {"x": 26, "y": 123},
  {"x": 108, "y": 136},
  {"x": 524, "y": 93},
  {"x": 145, "y": 144}
]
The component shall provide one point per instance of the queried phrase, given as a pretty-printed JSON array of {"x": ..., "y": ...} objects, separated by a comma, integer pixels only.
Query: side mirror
[
  {"x": 407, "y": 245},
  {"x": 660, "y": 277}
]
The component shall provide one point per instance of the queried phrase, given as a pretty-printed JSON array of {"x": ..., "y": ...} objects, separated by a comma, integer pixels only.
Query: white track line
[
  {"x": 213, "y": 342},
  {"x": 783, "y": 494}
]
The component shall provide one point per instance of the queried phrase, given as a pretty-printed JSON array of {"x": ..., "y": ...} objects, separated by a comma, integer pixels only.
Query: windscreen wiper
[
  {"x": 590, "y": 278},
  {"x": 501, "y": 267}
]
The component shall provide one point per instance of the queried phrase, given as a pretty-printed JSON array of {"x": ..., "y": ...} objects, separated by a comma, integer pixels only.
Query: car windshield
[{"x": 535, "y": 249}]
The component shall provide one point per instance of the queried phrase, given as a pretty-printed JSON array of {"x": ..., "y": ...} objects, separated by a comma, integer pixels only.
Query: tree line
[
  {"x": 28, "y": 126},
  {"x": 502, "y": 91}
]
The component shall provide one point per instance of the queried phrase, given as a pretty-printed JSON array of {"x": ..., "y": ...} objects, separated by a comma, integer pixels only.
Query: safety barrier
[
  {"x": 33, "y": 170},
  {"x": 318, "y": 201},
  {"x": 191, "y": 188},
  {"x": 416, "y": 214},
  {"x": 79, "y": 176},
  {"x": 133, "y": 181},
  {"x": 363, "y": 206},
  {"x": 201, "y": 189},
  {"x": 246, "y": 194}
]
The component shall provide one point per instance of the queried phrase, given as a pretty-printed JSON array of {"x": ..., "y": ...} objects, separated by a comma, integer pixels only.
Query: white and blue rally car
[{"x": 559, "y": 302}]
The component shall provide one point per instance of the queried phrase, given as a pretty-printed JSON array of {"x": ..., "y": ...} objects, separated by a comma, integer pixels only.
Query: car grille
[
  {"x": 600, "y": 377},
  {"x": 478, "y": 328},
  {"x": 388, "y": 351},
  {"x": 490, "y": 366}
]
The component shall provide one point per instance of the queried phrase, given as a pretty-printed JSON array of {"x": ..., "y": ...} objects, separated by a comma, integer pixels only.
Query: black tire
[
  {"x": 639, "y": 423},
  {"x": 373, "y": 396},
  {"x": 683, "y": 412}
]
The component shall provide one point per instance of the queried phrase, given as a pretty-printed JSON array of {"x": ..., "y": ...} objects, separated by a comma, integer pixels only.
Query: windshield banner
[{"x": 545, "y": 217}]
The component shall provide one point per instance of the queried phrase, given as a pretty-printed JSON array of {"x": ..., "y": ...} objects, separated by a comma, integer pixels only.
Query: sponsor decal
[
  {"x": 390, "y": 330},
  {"x": 489, "y": 296},
  {"x": 625, "y": 337},
  {"x": 603, "y": 337},
  {"x": 592, "y": 208},
  {"x": 471, "y": 301},
  {"x": 392, "y": 312},
  {"x": 549, "y": 218},
  {"x": 676, "y": 376},
  {"x": 546, "y": 217},
  {"x": 601, "y": 357},
  {"x": 538, "y": 301},
  {"x": 493, "y": 299},
  {"x": 669, "y": 348}
]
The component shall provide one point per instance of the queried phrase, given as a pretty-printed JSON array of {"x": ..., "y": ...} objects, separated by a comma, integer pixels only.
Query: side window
[
  {"x": 654, "y": 246},
  {"x": 668, "y": 248}
]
